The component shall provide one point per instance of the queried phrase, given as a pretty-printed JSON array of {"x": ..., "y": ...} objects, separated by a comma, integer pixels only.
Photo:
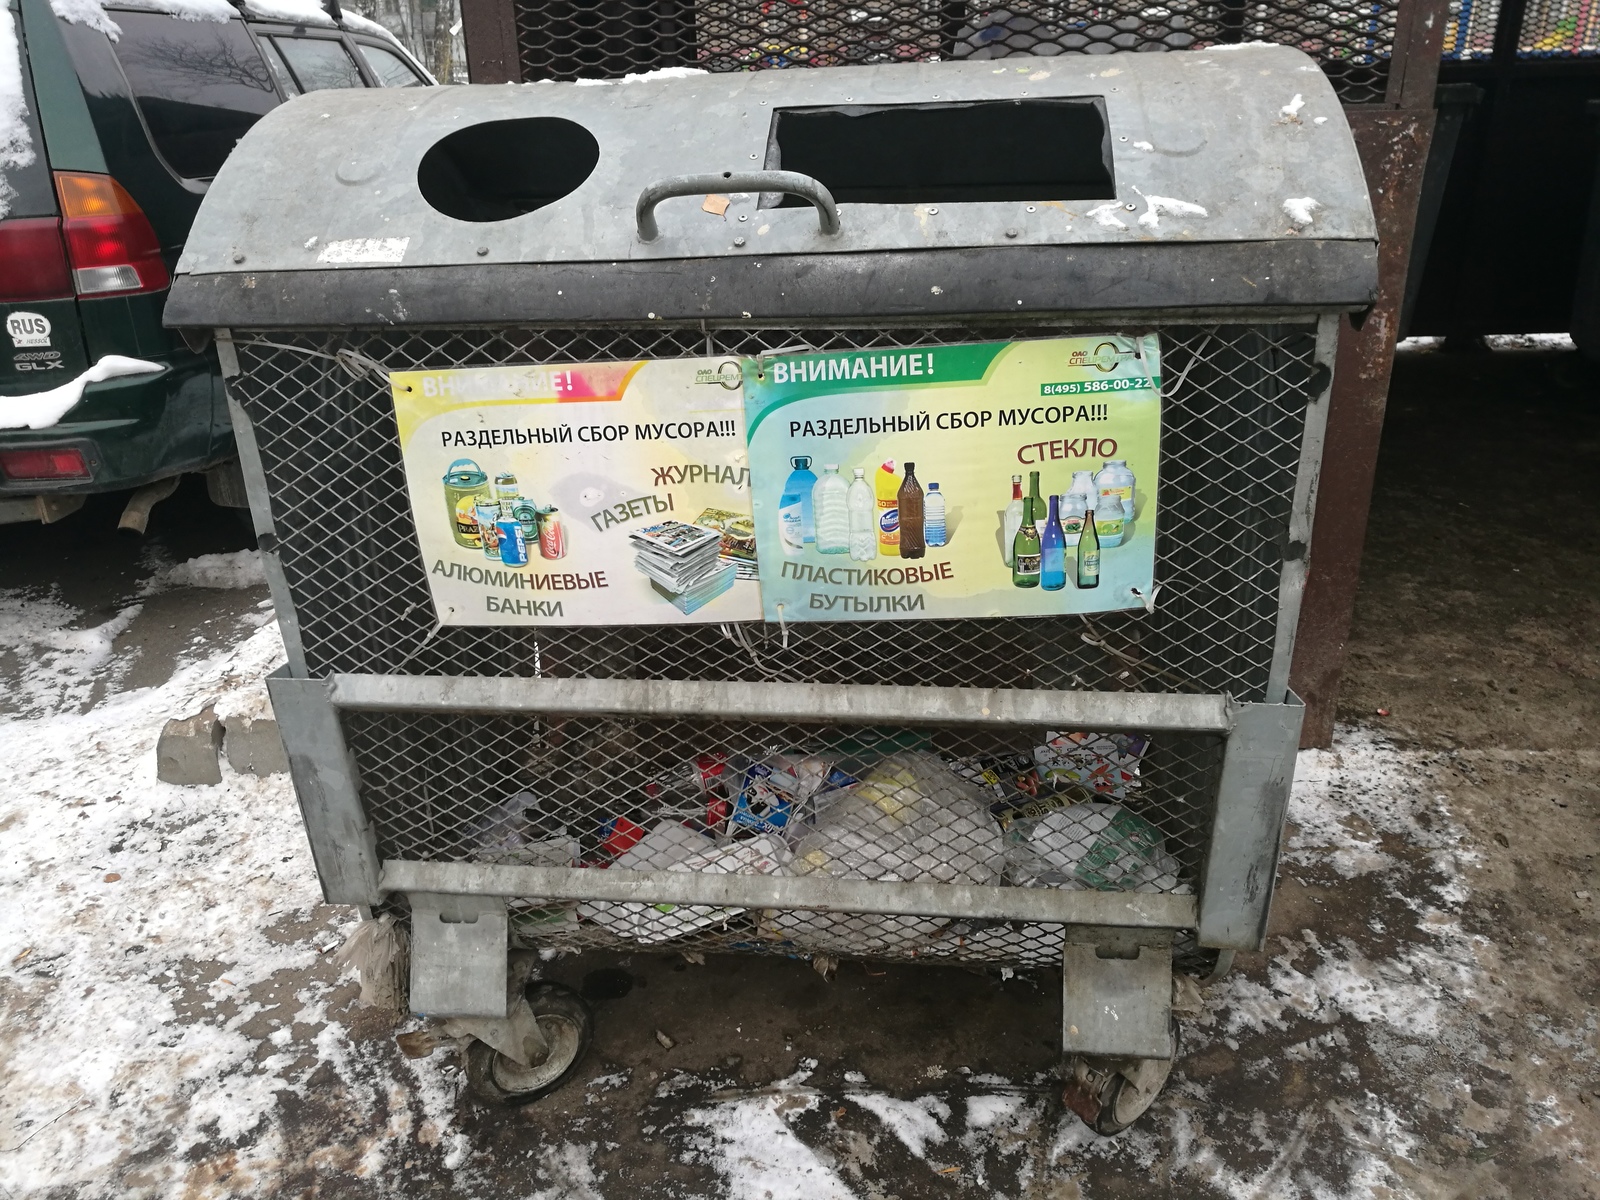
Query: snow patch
[
  {"x": 16, "y": 147},
  {"x": 1143, "y": 146},
  {"x": 365, "y": 250},
  {"x": 914, "y": 1122},
  {"x": 1299, "y": 209},
  {"x": 58, "y": 667},
  {"x": 40, "y": 410},
  {"x": 751, "y": 1146},
  {"x": 1291, "y": 110},
  {"x": 240, "y": 569},
  {"x": 570, "y": 1172},
  {"x": 302, "y": 12},
  {"x": 1159, "y": 206},
  {"x": 644, "y": 76},
  {"x": 1106, "y": 214}
]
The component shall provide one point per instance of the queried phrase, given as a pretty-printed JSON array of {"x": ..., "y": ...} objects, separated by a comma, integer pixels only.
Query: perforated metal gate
[
  {"x": 556, "y": 788},
  {"x": 573, "y": 39}
]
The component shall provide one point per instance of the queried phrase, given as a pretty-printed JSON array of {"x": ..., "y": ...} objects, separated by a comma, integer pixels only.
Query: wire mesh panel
[
  {"x": 566, "y": 39},
  {"x": 1018, "y": 807},
  {"x": 1559, "y": 29},
  {"x": 1233, "y": 418},
  {"x": 1469, "y": 30}
]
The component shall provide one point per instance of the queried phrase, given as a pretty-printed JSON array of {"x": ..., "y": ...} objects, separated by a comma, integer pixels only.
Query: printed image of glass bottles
[
  {"x": 1115, "y": 479},
  {"x": 1052, "y": 552},
  {"x": 1011, "y": 520},
  {"x": 1089, "y": 552},
  {"x": 1025, "y": 548}
]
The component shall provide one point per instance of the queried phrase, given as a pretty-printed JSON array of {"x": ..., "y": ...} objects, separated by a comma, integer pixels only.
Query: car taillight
[
  {"x": 58, "y": 462},
  {"x": 34, "y": 262},
  {"x": 110, "y": 243}
]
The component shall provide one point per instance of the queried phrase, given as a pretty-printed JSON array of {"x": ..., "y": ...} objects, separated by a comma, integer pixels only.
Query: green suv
[{"x": 112, "y": 122}]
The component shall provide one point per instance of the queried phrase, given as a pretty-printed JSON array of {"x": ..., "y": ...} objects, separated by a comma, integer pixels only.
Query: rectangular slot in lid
[{"x": 1007, "y": 150}]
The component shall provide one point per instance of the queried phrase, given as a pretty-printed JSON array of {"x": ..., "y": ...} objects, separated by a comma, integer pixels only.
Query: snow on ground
[{"x": 164, "y": 993}]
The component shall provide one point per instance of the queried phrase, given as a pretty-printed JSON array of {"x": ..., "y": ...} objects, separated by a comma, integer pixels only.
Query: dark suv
[{"x": 129, "y": 114}]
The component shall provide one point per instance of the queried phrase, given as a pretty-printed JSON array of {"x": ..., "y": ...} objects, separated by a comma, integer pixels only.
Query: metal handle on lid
[{"x": 791, "y": 182}]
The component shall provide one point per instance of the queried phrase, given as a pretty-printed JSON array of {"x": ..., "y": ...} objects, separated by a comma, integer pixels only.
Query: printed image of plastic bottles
[
  {"x": 863, "y": 519},
  {"x": 1011, "y": 520},
  {"x": 1115, "y": 479},
  {"x": 801, "y": 481},
  {"x": 791, "y": 523},
  {"x": 1052, "y": 552},
  {"x": 1026, "y": 550},
  {"x": 934, "y": 530},
  {"x": 887, "y": 488},
  {"x": 1073, "y": 506},
  {"x": 830, "y": 504},
  {"x": 909, "y": 503},
  {"x": 1089, "y": 553}
]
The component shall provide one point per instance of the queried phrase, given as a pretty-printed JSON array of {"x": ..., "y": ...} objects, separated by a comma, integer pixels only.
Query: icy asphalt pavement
[{"x": 173, "y": 1024}]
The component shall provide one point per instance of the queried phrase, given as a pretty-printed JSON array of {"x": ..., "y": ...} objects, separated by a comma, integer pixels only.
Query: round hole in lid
[{"x": 497, "y": 170}]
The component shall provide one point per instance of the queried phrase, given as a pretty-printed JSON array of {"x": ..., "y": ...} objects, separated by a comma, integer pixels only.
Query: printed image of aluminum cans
[
  {"x": 513, "y": 542},
  {"x": 488, "y": 518},
  {"x": 552, "y": 534}
]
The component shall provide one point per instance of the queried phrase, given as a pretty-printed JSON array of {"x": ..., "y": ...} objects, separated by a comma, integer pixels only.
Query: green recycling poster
[{"x": 986, "y": 480}]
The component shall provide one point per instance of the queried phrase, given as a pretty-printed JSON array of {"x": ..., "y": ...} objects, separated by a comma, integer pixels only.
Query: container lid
[{"x": 1206, "y": 178}]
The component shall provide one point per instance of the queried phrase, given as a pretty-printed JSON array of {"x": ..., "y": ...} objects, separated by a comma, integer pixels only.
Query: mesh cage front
[
  {"x": 1234, "y": 408},
  {"x": 1018, "y": 807},
  {"x": 573, "y": 39}
]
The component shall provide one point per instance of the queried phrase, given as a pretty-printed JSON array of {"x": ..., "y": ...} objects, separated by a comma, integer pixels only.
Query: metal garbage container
[{"x": 857, "y": 513}]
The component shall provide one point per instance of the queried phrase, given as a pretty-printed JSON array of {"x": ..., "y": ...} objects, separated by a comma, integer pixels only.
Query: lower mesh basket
[{"x": 971, "y": 810}]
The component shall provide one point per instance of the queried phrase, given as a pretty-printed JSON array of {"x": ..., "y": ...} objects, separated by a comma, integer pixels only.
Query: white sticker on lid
[
  {"x": 28, "y": 329},
  {"x": 365, "y": 250}
]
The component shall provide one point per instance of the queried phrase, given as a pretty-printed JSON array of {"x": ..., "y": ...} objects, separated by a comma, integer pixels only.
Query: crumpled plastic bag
[
  {"x": 909, "y": 820},
  {"x": 1098, "y": 846}
]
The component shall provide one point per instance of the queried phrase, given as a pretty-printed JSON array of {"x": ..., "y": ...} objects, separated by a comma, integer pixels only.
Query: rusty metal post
[
  {"x": 1393, "y": 139},
  {"x": 489, "y": 30}
]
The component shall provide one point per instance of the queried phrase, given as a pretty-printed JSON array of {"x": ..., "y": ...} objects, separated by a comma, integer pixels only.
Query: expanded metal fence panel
[
  {"x": 1469, "y": 30},
  {"x": 569, "y": 39},
  {"x": 1559, "y": 29},
  {"x": 1234, "y": 407},
  {"x": 1019, "y": 807}
]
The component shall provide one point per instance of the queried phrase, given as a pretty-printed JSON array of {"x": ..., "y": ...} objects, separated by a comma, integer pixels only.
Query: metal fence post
[{"x": 1393, "y": 139}]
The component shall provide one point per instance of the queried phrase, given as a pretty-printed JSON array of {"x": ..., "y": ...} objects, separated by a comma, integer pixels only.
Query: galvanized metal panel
[
  {"x": 458, "y": 956},
  {"x": 326, "y": 785},
  {"x": 837, "y": 703},
  {"x": 1136, "y": 283},
  {"x": 815, "y": 891},
  {"x": 1118, "y": 1007},
  {"x": 1252, "y": 798},
  {"x": 1235, "y": 133}
]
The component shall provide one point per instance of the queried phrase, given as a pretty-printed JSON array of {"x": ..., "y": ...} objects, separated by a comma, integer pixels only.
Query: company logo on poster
[
  {"x": 581, "y": 494},
  {"x": 987, "y": 480}
]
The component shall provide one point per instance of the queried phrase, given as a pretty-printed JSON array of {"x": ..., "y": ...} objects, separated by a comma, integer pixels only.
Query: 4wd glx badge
[{"x": 28, "y": 329}]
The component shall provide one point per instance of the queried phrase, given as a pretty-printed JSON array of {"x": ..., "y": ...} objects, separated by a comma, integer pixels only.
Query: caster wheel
[
  {"x": 564, "y": 1018},
  {"x": 1111, "y": 1094}
]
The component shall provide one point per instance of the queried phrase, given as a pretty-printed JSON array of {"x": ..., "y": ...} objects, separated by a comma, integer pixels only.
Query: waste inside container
[{"x": 853, "y": 512}]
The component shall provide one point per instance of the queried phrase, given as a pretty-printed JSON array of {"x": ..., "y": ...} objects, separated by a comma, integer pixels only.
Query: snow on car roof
[
  {"x": 301, "y": 12},
  {"x": 16, "y": 147}
]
